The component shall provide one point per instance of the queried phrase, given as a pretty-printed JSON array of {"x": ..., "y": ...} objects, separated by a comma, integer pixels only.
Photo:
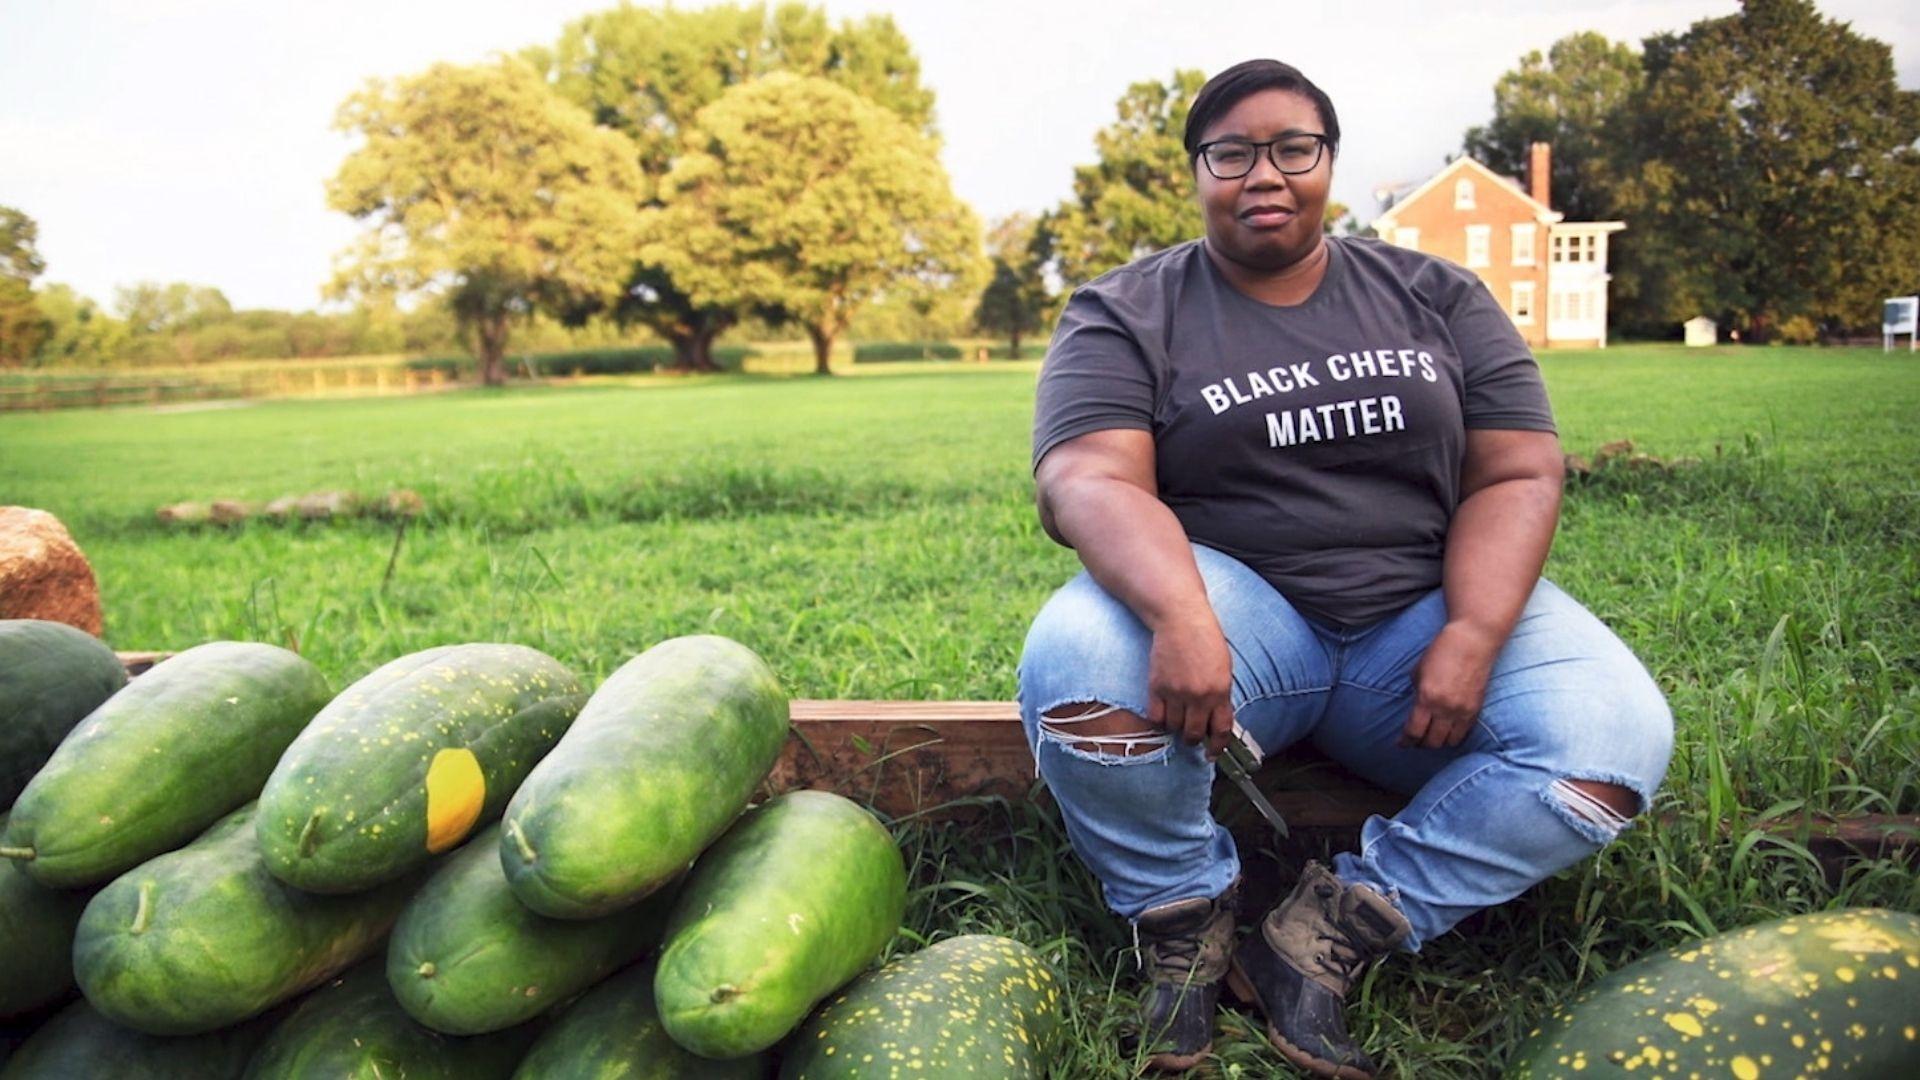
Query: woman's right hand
[{"x": 1190, "y": 683}]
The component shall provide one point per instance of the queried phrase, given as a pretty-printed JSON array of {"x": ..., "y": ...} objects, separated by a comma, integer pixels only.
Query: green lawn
[{"x": 873, "y": 536}]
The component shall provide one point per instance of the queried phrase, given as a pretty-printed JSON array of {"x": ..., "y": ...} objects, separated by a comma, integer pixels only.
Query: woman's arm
[
  {"x": 1496, "y": 545},
  {"x": 1097, "y": 495}
]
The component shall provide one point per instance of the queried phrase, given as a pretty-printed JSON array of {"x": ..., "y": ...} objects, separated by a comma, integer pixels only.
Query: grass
[{"x": 874, "y": 537}]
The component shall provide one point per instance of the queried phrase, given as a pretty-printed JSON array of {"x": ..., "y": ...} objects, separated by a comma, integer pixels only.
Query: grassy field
[{"x": 873, "y": 536}]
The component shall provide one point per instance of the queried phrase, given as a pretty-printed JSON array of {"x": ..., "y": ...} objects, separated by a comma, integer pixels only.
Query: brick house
[{"x": 1550, "y": 275}]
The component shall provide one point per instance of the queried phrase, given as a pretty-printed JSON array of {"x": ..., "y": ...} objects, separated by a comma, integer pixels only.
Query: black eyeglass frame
[{"x": 1322, "y": 142}]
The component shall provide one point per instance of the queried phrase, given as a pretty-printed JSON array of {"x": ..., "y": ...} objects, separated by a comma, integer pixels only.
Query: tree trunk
[
  {"x": 492, "y": 332},
  {"x": 822, "y": 348},
  {"x": 1016, "y": 344},
  {"x": 683, "y": 352}
]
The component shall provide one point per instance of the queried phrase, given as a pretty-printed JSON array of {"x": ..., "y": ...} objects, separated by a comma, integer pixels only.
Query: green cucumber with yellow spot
[
  {"x": 161, "y": 760},
  {"x": 1830, "y": 993},
  {"x": 801, "y": 895},
  {"x": 353, "y": 1027},
  {"x": 204, "y": 937},
  {"x": 51, "y": 677},
  {"x": 467, "y": 958},
  {"x": 666, "y": 754},
  {"x": 968, "y": 1006},
  {"x": 409, "y": 761},
  {"x": 613, "y": 1032}
]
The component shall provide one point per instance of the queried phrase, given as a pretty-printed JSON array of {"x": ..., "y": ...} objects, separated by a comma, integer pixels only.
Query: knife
[{"x": 1239, "y": 761}]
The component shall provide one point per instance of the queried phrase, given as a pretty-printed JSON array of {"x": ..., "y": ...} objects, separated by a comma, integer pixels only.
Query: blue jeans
[{"x": 1566, "y": 702}]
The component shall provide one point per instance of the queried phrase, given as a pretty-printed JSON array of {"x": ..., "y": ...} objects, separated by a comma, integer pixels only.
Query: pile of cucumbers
[{"x": 462, "y": 865}]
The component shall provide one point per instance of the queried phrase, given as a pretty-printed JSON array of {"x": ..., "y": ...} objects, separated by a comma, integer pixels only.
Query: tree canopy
[
  {"x": 22, "y": 324},
  {"x": 1777, "y": 150},
  {"x": 481, "y": 184},
  {"x": 1574, "y": 97},
  {"x": 796, "y": 198},
  {"x": 647, "y": 72},
  {"x": 1137, "y": 197}
]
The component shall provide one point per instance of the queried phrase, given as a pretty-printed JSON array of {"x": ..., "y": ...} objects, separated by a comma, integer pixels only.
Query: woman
[{"x": 1313, "y": 482}]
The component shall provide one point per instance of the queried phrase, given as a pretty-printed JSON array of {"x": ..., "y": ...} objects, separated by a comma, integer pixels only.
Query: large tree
[
  {"x": 647, "y": 72},
  {"x": 1138, "y": 196},
  {"x": 1777, "y": 152},
  {"x": 1015, "y": 301},
  {"x": 1574, "y": 97},
  {"x": 482, "y": 185},
  {"x": 800, "y": 200},
  {"x": 23, "y": 326}
]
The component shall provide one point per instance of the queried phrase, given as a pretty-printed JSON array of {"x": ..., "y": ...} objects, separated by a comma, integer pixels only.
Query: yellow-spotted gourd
[
  {"x": 1831, "y": 993},
  {"x": 975, "y": 1005}
]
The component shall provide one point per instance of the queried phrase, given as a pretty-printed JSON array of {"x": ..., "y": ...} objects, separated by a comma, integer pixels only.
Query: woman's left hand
[{"x": 1449, "y": 684}]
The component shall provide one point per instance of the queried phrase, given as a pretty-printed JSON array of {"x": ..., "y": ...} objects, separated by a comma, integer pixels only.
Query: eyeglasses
[{"x": 1231, "y": 159}]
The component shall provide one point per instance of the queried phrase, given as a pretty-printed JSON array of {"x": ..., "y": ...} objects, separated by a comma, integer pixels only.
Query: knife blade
[{"x": 1239, "y": 761}]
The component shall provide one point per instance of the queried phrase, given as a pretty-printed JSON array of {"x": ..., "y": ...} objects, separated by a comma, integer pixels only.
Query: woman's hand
[
  {"x": 1190, "y": 683},
  {"x": 1449, "y": 685}
]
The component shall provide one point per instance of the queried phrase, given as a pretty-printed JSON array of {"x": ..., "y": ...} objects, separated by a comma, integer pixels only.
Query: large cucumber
[
  {"x": 796, "y": 899},
  {"x": 353, "y": 1028},
  {"x": 161, "y": 760},
  {"x": 614, "y": 1033},
  {"x": 51, "y": 676},
  {"x": 205, "y": 936},
  {"x": 666, "y": 753},
  {"x": 36, "y": 940},
  {"x": 81, "y": 1044},
  {"x": 967, "y": 1003},
  {"x": 466, "y": 957},
  {"x": 408, "y": 761}
]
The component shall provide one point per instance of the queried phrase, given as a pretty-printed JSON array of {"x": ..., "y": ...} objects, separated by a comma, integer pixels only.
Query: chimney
[{"x": 1540, "y": 172}]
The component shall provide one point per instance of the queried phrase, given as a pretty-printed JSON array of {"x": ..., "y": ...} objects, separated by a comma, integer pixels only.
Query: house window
[
  {"x": 1573, "y": 307},
  {"x": 1407, "y": 238},
  {"x": 1479, "y": 243},
  {"x": 1522, "y": 306},
  {"x": 1463, "y": 194},
  {"x": 1576, "y": 248},
  {"x": 1523, "y": 238}
]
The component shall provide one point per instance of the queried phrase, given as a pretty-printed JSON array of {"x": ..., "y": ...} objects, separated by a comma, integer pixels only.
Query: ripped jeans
[{"x": 1486, "y": 820}]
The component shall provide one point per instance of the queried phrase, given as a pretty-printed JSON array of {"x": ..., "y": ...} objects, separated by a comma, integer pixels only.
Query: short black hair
[{"x": 1245, "y": 79}]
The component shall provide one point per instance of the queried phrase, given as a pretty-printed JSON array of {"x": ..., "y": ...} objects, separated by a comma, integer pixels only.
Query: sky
[{"x": 190, "y": 140}]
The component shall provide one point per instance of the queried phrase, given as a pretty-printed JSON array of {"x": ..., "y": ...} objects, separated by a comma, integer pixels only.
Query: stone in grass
[
  {"x": 322, "y": 505},
  {"x": 281, "y": 508},
  {"x": 402, "y": 503},
  {"x": 43, "y": 573},
  {"x": 186, "y": 513},
  {"x": 229, "y": 511}
]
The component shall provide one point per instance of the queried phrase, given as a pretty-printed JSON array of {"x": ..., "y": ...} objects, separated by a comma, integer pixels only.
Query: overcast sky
[{"x": 188, "y": 140}]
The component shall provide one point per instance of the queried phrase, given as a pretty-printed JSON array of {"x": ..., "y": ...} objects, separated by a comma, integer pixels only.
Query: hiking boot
[
  {"x": 1306, "y": 955},
  {"x": 1184, "y": 947}
]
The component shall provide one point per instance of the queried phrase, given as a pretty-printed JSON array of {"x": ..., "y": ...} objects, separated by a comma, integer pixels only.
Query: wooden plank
[{"x": 926, "y": 758}]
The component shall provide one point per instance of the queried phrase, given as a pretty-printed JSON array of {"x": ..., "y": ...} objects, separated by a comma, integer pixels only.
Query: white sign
[{"x": 1899, "y": 315}]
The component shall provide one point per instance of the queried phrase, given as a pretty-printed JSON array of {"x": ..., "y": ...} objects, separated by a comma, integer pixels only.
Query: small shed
[{"x": 1701, "y": 331}]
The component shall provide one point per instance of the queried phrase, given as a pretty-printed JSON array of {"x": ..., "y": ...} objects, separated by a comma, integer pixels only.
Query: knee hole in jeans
[
  {"x": 1092, "y": 727},
  {"x": 1598, "y": 807}
]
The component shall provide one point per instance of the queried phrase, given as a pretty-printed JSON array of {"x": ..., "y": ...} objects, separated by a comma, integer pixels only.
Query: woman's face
[{"x": 1265, "y": 220}]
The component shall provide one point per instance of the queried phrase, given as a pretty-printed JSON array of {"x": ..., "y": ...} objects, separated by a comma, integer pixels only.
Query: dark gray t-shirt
[{"x": 1319, "y": 444}]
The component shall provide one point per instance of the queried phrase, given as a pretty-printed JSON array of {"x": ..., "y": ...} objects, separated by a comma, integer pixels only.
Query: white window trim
[
  {"x": 1479, "y": 245},
  {"x": 1522, "y": 309},
  {"x": 1463, "y": 194},
  {"x": 1525, "y": 236},
  {"x": 1407, "y": 237}
]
